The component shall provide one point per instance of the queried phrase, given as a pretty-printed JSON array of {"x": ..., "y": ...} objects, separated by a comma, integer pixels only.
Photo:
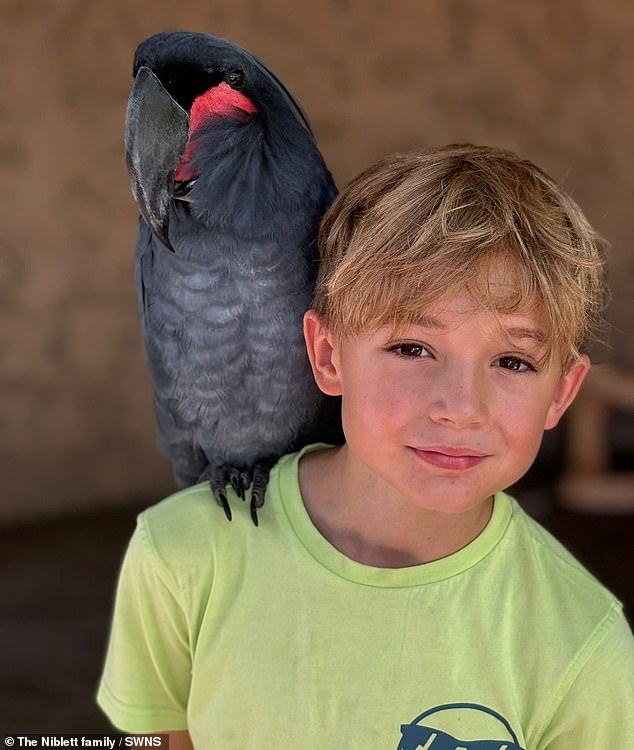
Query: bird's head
[
  {"x": 195, "y": 68},
  {"x": 184, "y": 82}
]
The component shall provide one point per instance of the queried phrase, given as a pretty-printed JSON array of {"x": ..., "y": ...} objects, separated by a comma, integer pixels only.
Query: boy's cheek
[{"x": 376, "y": 412}]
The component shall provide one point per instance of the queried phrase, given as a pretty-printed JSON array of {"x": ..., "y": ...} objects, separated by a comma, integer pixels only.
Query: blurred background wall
[
  {"x": 549, "y": 79},
  {"x": 552, "y": 80}
]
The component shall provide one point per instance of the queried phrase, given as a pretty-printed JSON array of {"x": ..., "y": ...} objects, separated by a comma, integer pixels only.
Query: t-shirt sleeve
[
  {"x": 146, "y": 677},
  {"x": 597, "y": 709}
]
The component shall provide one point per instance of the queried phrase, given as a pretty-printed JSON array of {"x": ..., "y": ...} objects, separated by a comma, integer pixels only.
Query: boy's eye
[
  {"x": 515, "y": 364},
  {"x": 410, "y": 350}
]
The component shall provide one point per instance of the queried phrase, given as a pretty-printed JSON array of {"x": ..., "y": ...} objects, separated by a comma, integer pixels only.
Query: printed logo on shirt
[{"x": 443, "y": 728}]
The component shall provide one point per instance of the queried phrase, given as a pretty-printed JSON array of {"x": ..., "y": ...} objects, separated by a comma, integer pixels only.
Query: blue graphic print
[{"x": 421, "y": 734}]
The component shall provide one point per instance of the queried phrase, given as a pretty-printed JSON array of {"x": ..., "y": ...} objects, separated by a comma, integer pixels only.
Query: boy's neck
[{"x": 372, "y": 530}]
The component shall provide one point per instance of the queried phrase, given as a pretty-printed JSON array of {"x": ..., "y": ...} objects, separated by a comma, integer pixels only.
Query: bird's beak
[{"x": 156, "y": 131}]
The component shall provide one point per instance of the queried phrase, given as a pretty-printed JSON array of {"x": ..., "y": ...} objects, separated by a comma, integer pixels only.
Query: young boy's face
[{"x": 453, "y": 409}]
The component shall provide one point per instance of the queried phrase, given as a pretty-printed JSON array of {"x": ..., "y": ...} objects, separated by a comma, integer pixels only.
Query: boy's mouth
[{"x": 448, "y": 457}]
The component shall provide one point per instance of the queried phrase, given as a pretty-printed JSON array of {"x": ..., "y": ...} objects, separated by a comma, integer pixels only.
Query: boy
[{"x": 394, "y": 596}]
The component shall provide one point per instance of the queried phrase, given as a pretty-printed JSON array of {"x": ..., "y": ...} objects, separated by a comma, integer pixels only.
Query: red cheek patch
[{"x": 219, "y": 101}]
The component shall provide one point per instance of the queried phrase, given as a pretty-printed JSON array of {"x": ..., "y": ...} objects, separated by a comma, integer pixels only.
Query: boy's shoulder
[
  {"x": 189, "y": 526},
  {"x": 552, "y": 578},
  {"x": 185, "y": 513},
  {"x": 546, "y": 546},
  {"x": 186, "y": 527}
]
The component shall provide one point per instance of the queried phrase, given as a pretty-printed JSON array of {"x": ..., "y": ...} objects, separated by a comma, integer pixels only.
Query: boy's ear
[
  {"x": 567, "y": 389},
  {"x": 322, "y": 349}
]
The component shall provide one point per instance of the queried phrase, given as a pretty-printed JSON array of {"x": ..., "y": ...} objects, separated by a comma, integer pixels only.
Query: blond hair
[{"x": 418, "y": 226}]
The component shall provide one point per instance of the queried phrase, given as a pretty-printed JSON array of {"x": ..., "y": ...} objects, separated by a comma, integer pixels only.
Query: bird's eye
[{"x": 235, "y": 79}]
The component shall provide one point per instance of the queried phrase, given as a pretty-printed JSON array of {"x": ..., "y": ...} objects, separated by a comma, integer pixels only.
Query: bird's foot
[
  {"x": 240, "y": 479},
  {"x": 219, "y": 477}
]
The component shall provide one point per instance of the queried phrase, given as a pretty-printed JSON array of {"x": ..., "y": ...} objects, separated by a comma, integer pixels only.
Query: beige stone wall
[{"x": 552, "y": 80}]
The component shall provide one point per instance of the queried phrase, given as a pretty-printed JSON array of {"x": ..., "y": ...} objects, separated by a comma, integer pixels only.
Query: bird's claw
[
  {"x": 258, "y": 492},
  {"x": 240, "y": 480},
  {"x": 223, "y": 502},
  {"x": 218, "y": 476}
]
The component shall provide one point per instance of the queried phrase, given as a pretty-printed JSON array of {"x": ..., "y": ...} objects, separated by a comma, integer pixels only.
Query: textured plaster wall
[{"x": 552, "y": 80}]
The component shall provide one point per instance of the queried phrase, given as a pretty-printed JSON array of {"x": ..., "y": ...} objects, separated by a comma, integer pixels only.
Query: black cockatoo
[{"x": 231, "y": 189}]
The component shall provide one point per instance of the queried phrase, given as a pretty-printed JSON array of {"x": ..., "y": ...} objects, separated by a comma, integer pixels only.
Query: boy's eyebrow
[
  {"x": 513, "y": 332},
  {"x": 534, "y": 334},
  {"x": 428, "y": 321}
]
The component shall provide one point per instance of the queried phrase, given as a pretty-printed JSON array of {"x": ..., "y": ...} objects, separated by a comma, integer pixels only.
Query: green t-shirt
[{"x": 270, "y": 638}]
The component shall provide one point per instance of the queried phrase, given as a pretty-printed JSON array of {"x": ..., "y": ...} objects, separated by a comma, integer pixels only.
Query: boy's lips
[{"x": 450, "y": 457}]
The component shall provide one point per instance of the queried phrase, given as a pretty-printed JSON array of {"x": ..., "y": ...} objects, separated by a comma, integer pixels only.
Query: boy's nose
[{"x": 460, "y": 398}]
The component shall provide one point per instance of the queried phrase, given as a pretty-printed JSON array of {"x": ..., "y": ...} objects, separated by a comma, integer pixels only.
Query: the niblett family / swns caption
[{"x": 109, "y": 741}]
